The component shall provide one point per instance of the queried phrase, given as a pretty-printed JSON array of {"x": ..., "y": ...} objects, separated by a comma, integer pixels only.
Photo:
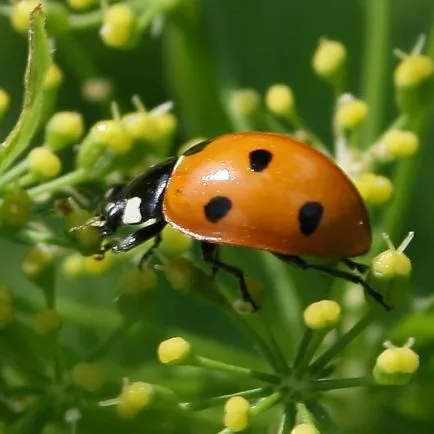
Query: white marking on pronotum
[{"x": 132, "y": 214}]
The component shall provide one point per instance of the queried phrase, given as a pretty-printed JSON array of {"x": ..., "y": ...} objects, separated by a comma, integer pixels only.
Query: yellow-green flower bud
[
  {"x": 304, "y": 428},
  {"x": 88, "y": 376},
  {"x": 20, "y": 14},
  {"x": 280, "y": 100},
  {"x": 81, "y": 5},
  {"x": 96, "y": 266},
  {"x": 54, "y": 77},
  {"x": 174, "y": 242},
  {"x": 16, "y": 208},
  {"x": 324, "y": 314},
  {"x": 112, "y": 134},
  {"x": 329, "y": 61},
  {"x": 73, "y": 266},
  {"x": 43, "y": 162},
  {"x": 400, "y": 144},
  {"x": 350, "y": 113},
  {"x": 47, "y": 321},
  {"x": 180, "y": 273},
  {"x": 375, "y": 189},
  {"x": 38, "y": 261},
  {"x": 236, "y": 416},
  {"x": 244, "y": 102},
  {"x": 396, "y": 365},
  {"x": 175, "y": 351},
  {"x": 134, "y": 398},
  {"x": 136, "y": 281},
  {"x": 63, "y": 129},
  {"x": 136, "y": 124},
  {"x": 4, "y": 101},
  {"x": 157, "y": 129},
  {"x": 119, "y": 26},
  {"x": 6, "y": 306}
]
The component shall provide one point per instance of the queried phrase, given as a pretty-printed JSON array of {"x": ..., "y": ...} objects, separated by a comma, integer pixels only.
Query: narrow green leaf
[{"x": 38, "y": 62}]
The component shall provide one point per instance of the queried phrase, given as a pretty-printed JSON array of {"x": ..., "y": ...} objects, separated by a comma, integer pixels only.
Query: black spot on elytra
[
  {"x": 310, "y": 216},
  {"x": 260, "y": 159},
  {"x": 195, "y": 149},
  {"x": 217, "y": 208}
]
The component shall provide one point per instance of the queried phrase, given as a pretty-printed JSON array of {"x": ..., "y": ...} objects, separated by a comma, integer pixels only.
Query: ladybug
[{"x": 252, "y": 189}]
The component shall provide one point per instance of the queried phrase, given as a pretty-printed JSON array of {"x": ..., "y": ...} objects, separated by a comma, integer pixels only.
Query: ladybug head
[{"x": 112, "y": 209}]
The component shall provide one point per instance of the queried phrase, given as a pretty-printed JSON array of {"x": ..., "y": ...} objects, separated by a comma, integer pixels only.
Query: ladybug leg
[
  {"x": 143, "y": 263},
  {"x": 139, "y": 237},
  {"x": 301, "y": 263},
  {"x": 210, "y": 254},
  {"x": 353, "y": 265}
]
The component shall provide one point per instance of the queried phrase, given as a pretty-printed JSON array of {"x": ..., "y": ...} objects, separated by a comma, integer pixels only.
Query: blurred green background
[{"x": 237, "y": 44}]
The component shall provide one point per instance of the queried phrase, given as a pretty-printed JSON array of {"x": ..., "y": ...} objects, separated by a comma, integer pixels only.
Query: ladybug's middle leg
[
  {"x": 210, "y": 254},
  {"x": 301, "y": 263}
]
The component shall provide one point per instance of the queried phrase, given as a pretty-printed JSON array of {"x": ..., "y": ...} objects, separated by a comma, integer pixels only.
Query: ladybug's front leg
[{"x": 210, "y": 254}]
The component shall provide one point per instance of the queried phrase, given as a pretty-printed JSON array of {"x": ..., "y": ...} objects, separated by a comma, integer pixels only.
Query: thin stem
[
  {"x": 259, "y": 392},
  {"x": 344, "y": 340},
  {"x": 233, "y": 369},
  {"x": 304, "y": 344},
  {"x": 105, "y": 346},
  {"x": 265, "y": 404},
  {"x": 317, "y": 338},
  {"x": 322, "y": 417},
  {"x": 288, "y": 420},
  {"x": 377, "y": 55},
  {"x": 73, "y": 178},
  {"x": 342, "y": 383},
  {"x": 13, "y": 173}
]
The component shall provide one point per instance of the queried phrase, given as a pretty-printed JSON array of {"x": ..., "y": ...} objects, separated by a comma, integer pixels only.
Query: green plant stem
[
  {"x": 107, "y": 344},
  {"x": 342, "y": 383},
  {"x": 31, "y": 237},
  {"x": 265, "y": 404},
  {"x": 70, "y": 179},
  {"x": 377, "y": 55},
  {"x": 344, "y": 340},
  {"x": 259, "y": 392},
  {"x": 315, "y": 342},
  {"x": 302, "y": 348},
  {"x": 237, "y": 370},
  {"x": 322, "y": 417},
  {"x": 13, "y": 173},
  {"x": 288, "y": 420}
]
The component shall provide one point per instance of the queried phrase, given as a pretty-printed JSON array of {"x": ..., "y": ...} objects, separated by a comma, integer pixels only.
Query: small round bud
[
  {"x": 4, "y": 101},
  {"x": 81, "y": 5},
  {"x": 135, "y": 124},
  {"x": 324, "y": 314},
  {"x": 304, "y": 428},
  {"x": 237, "y": 404},
  {"x": 174, "y": 351},
  {"x": 375, "y": 189},
  {"x": 38, "y": 261},
  {"x": 329, "y": 60},
  {"x": 135, "y": 281},
  {"x": 350, "y": 113},
  {"x": 137, "y": 395},
  {"x": 16, "y": 208},
  {"x": 400, "y": 144},
  {"x": 47, "y": 321},
  {"x": 44, "y": 162},
  {"x": 159, "y": 128},
  {"x": 72, "y": 266},
  {"x": 88, "y": 376},
  {"x": 96, "y": 266},
  {"x": 119, "y": 25},
  {"x": 63, "y": 129},
  {"x": 280, "y": 100},
  {"x": 174, "y": 242},
  {"x": 237, "y": 413},
  {"x": 54, "y": 77},
  {"x": 413, "y": 70},
  {"x": 180, "y": 273},
  {"x": 112, "y": 134},
  {"x": 244, "y": 102},
  {"x": 20, "y": 14},
  {"x": 396, "y": 365}
]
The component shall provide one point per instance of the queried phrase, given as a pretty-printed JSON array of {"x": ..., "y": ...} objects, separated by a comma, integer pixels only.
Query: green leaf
[{"x": 38, "y": 62}]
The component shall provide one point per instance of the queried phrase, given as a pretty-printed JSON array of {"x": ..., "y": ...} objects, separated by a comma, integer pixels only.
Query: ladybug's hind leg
[
  {"x": 210, "y": 254},
  {"x": 301, "y": 263}
]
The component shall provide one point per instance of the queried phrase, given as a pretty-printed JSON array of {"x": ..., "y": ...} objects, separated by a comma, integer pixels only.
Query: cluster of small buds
[
  {"x": 396, "y": 365},
  {"x": 304, "y": 428},
  {"x": 47, "y": 321},
  {"x": 236, "y": 417},
  {"x": 88, "y": 376},
  {"x": 322, "y": 315},
  {"x": 6, "y": 306},
  {"x": 175, "y": 351},
  {"x": 16, "y": 208},
  {"x": 119, "y": 26},
  {"x": 280, "y": 100}
]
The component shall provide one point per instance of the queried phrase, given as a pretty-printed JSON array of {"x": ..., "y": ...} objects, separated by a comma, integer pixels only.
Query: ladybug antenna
[{"x": 94, "y": 222}]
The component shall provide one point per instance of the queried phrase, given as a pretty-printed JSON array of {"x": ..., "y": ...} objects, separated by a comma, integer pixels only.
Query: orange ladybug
[{"x": 259, "y": 190}]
